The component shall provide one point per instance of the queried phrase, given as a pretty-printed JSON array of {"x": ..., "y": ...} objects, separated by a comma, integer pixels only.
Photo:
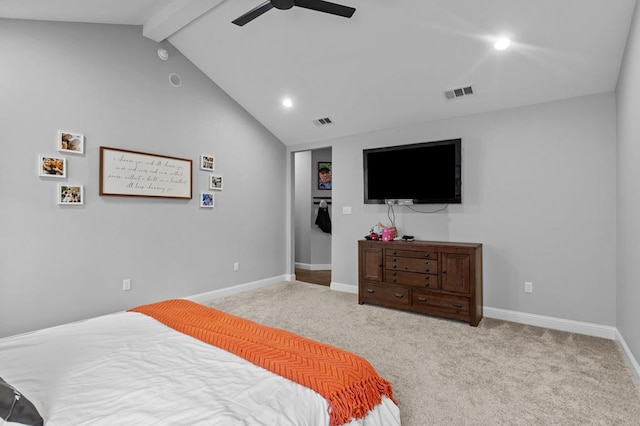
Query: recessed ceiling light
[
  {"x": 287, "y": 102},
  {"x": 502, "y": 43}
]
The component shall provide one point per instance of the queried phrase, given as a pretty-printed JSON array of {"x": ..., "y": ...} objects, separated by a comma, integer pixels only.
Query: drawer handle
[
  {"x": 395, "y": 266},
  {"x": 395, "y": 280},
  {"x": 426, "y": 254},
  {"x": 370, "y": 290},
  {"x": 399, "y": 295},
  {"x": 426, "y": 270},
  {"x": 426, "y": 285},
  {"x": 457, "y": 305},
  {"x": 422, "y": 299},
  {"x": 394, "y": 253},
  {"x": 444, "y": 272}
]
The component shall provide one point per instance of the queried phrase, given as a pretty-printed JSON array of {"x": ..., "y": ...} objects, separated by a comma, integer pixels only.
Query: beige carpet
[{"x": 449, "y": 373}]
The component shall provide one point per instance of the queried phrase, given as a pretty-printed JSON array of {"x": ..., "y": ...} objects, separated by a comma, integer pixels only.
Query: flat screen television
[{"x": 420, "y": 173}]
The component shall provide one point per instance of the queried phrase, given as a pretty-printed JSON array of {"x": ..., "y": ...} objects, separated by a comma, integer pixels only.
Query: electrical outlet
[
  {"x": 528, "y": 287},
  {"x": 126, "y": 285},
  {"x": 236, "y": 266}
]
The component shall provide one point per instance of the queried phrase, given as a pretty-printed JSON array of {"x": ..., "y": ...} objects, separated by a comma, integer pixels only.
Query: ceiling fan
[{"x": 319, "y": 5}]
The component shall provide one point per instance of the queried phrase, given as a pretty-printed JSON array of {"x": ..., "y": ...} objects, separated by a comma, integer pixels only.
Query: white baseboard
[
  {"x": 346, "y": 288},
  {"x": 214, "y": 294},
  {"x": 313, "y": 267},
  {"x": 628, "y": 356},
  {"x": 562, "y": 324}
]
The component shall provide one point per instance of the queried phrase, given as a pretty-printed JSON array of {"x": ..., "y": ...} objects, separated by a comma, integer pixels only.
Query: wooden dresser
[{"x": 429, "y": 277}]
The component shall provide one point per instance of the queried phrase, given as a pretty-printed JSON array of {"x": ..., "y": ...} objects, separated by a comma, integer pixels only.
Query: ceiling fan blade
[
  {"x": 253, "y": 13},
  {"x": 327, "y": 7}
]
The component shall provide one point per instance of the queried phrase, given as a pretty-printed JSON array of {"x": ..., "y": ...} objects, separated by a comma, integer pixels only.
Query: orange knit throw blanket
[{"x": 348, "y": 382}]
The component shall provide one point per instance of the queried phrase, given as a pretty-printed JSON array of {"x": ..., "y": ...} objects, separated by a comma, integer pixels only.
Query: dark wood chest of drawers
[{"x": 430, "y": 277}]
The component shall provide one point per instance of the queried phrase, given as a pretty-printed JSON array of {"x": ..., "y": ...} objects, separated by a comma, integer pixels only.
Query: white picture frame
[
  {"x": 52, "y": 166},
  {"x": 207, "y": 200},
  {"x": 207, "y": 162},
  {"x": 215, "y": 182},
  {"x": 70, "y": 142},
  {"x": 70, "y": 195}
]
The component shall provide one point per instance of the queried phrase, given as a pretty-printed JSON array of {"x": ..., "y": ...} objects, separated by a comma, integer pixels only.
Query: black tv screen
[{"x": 421, "y": 173}]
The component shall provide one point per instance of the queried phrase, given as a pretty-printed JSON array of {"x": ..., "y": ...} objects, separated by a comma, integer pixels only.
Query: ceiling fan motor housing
[{"x": 282, "y": 4}]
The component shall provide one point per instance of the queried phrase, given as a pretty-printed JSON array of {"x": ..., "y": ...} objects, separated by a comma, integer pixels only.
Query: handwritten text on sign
[{"x": 148, "y": 175}]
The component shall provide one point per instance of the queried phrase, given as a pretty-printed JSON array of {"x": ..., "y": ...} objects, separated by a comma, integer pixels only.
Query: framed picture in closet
[{"x": 324, "y": 175}]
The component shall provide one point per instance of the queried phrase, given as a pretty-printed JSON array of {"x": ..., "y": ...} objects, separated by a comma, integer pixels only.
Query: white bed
[{"x": 129, "y": 369}]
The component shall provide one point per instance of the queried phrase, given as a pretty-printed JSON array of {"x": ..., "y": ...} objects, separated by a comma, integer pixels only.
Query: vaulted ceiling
[{"x": 387, "y": 66}]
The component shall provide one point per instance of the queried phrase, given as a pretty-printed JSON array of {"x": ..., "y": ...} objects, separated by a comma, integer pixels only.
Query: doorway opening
[{"x": 312, "y": 212}]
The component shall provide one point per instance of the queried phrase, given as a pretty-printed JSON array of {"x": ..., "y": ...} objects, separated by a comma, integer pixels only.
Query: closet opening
[{"x": 312, "y": 194}]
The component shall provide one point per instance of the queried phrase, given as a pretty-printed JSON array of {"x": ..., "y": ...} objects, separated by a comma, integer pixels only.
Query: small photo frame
[
  {"x": 70, "y": 195},
  {"x": 70, "y": 142},
  {"x": 49, "y": 166},
  {"x": 207, "y": 162},
  {"x": 206, "y": 200},
  {"x": 324, "y": 175},
  {"x": 215, "y": 182}
]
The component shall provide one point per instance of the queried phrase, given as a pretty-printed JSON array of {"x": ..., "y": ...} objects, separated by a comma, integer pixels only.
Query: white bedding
[{"x": 129, "y": 369}]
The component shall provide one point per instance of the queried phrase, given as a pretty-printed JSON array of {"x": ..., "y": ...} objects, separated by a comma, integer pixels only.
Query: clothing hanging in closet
[{"x": 324, "y": 220}]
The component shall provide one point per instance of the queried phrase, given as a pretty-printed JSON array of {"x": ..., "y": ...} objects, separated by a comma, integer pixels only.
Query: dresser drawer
[
  {"x": 413, "y": 279},
  {"x": 439, "y": 302},
  {"x": 425, "y": 254},
  {"x": 423, "y": 266},
  {"x": 386, "y": 294}
]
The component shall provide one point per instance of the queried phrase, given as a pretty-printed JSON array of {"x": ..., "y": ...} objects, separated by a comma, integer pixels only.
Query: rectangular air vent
[
  {"x": 322, "y": 121},
  {"x": 459, "y": 92}
]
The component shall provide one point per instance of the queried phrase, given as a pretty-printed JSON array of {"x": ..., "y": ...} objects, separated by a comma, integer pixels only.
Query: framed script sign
[{"x": 139, "y": 174}]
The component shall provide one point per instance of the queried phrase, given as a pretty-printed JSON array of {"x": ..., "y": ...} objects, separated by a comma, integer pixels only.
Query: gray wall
[
  {"x": 539, "y": 191},
  {"x": 628, "y": 295},
  {"x": 62, "y": 263}
]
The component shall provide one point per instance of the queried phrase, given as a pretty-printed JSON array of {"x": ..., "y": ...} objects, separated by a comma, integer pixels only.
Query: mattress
[{"x": 128, "y": 368}]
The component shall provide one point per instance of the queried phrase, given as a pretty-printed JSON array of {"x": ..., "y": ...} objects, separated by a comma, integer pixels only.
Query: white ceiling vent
[
  {"x": 322, "y": 121},
  {"x": 459, "y": 93}
]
